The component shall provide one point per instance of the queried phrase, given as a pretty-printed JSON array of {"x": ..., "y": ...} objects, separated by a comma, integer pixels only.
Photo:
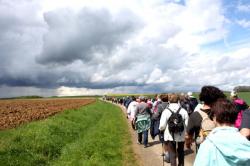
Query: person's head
[
  {"x": 150, "y": 104},
  {"x": 164, "y": 97},
  {"x": 210, "y": 94},
  {"x": 224, "y": 112},
  {"x": 142, "y": 99},
  {"x": 173, "y": 98},
  {"x": 133, "y": 98},
  {"x": 182, "y": 97},
  {"x": 233, "y": 95},
  {"x": 156, "y": 96}
]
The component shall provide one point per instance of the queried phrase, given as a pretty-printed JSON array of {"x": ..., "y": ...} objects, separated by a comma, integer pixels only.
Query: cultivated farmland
[
  {"x": 16, "y": 112},
  {"x": 95, "y": 134}
]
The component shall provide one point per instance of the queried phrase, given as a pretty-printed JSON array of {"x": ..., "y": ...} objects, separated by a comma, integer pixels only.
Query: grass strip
[{"x": 96, "y": 134}]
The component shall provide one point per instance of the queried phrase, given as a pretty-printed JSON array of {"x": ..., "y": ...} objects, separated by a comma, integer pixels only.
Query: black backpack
[{"x": 175, "y": 122}]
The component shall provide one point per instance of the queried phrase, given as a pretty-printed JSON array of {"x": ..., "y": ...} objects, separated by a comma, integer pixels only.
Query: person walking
[
  {"x": 131, "y": 110},
  {"x": 224, "y": 145},
  {"x": 208, "y": 95},
  {"x": 241, "y": 106},
  {"x": 163, "y": 98},
  {"x": 174, "y": 120},
  {"x": 142, "y": 121}
]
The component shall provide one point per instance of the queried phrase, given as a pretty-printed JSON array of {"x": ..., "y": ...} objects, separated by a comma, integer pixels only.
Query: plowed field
[{"x": 16, "y": 112}]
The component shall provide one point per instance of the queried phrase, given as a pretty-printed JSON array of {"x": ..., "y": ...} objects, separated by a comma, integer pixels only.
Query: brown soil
[{"x": 13, "y": 113}]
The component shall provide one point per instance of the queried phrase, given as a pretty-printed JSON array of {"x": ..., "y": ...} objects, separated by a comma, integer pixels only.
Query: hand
[
  {"x": 188, "y": 141},
  {"x": 188, "y": 145}
]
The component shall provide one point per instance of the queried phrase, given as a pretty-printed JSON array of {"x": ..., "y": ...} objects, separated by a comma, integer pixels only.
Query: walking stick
[{"x": 162, "y": 144}]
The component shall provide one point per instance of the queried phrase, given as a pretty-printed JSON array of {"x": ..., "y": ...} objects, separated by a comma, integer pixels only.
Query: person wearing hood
[{"x": 224, "y": 145}]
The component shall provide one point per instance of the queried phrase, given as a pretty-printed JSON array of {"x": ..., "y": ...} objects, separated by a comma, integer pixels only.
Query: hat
[
  {"x": 142, "y": 97},
  {"x": 189, "y": 93},
  {"x": 149, "y": 102},
  {"x": 233, "y": 94}
]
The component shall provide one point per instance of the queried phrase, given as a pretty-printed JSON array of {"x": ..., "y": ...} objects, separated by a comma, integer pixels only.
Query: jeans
[
  {"x": 145, "y": 137},
  {"x": 173, "y": 153}
]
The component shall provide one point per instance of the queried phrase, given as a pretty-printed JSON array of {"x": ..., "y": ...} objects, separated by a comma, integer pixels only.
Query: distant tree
[{"x": 242, "y": 88}]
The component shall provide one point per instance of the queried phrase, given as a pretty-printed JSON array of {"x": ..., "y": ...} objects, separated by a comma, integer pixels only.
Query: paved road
[{"x": 151, "y": 156}]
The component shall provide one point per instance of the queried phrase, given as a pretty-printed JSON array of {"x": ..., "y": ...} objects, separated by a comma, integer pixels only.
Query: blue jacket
[{"x": 224, "y": 146}]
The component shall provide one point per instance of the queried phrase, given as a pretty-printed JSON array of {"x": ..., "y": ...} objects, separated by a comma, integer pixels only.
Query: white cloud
[
  {"x": 156, "y": 76},
  {"x": 244, "y": 23},
  {"x": 67, "y": 91},
  {"x": 243, "y": 8},
  {"x": 90, "y": 47}
]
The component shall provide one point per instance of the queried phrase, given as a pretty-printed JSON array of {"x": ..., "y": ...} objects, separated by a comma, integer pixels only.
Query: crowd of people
[{"x": 218, "y": 127}]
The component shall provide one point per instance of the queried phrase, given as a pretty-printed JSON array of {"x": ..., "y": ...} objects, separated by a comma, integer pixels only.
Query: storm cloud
[
  {"x": 133, "y": 46},
  {"x": 83, "y": 35}
]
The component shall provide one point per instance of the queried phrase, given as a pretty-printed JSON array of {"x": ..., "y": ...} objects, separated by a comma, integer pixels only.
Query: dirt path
[{"x": 151, "y": 156}]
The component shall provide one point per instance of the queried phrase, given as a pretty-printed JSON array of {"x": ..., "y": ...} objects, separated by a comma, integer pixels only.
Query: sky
[{"x": 83, "y": 47}]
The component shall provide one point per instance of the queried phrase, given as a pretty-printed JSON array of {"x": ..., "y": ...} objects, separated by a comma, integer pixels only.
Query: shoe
[
  {"x": 167, "y": 158},
  {"x": 139, "y": 143},
  {"x": 145, "y": 146}
]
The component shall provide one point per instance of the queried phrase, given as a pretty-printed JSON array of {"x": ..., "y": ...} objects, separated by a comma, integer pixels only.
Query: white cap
[
  {"x": 233, "y": 94},
  {"x": 189, "y": 93}
]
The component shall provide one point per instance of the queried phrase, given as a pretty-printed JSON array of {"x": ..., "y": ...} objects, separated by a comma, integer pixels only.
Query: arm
[
  {"x": 149, "y": 111},
  {"x": 245, "y": 124},
  {"x": 206, "y": 155},
  {"x": 129, "y": 109},
  {"x": 163, "y": 121},
  {"x": 245, "y": 132},
  {"x": 135, "y": 114},
  {"x": 191, "y": 128},
  {"x": 185, "y": 115},
  {"x": 158, "y": 112}
]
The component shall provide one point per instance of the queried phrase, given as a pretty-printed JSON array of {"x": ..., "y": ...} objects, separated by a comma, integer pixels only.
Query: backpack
[
  {"x": 207, "y": 125},
  {"x": 240, "y": 106},
  {"x": 175, "y": 122},
  {"x": 156, "y": 106}
]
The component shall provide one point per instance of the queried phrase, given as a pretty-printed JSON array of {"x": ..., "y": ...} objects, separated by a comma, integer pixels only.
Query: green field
[
  {"x": 95, "y": 134},
  {"x": 245, "y": 96}
]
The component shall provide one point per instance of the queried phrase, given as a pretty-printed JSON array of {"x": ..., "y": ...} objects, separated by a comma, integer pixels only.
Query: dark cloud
[
  {"x": 89, "y": 36},
  {"x": 137, "y": 50},
  {"x": 80, "y": 36}
]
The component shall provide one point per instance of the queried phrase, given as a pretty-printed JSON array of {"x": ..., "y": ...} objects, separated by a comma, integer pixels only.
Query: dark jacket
[{"x": 160, "y": 108}]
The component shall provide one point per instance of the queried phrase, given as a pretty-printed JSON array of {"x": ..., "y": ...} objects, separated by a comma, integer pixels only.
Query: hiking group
[{"x": 218, "y": 127}]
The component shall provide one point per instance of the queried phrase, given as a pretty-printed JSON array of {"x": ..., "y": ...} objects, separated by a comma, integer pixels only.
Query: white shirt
[
  {"x": 178, "y": 137},
  {"x": 198, "y": 107},
  {"x": 131, "y": 110}
]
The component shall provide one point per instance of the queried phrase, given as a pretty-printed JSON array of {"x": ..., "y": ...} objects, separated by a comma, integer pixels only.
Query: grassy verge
[{"x": 96, "y": 134}]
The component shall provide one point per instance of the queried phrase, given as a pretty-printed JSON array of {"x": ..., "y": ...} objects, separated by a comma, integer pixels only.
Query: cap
[
  {"x": 142, "y": 97},
  {"x": 233, "y": 94},
  {"x": 189, "y": 93}
]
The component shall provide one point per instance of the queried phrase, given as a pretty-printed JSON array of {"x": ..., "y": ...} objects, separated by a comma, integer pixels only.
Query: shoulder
[
  {"x": 165, "y": 112},
  {"x": 134, "y": 103},
  {"x": 195, "y": 115},
  {"x": 206, "y": 149},
  {"x": 183, "y": 111}
]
